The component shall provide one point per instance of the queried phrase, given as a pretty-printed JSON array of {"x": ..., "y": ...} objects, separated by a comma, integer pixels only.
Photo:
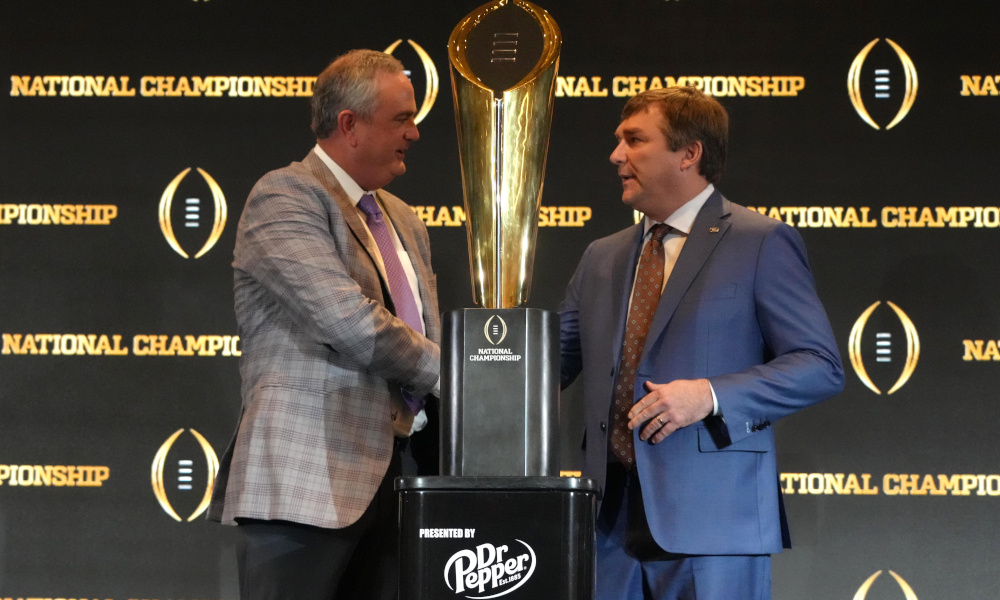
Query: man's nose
[{"x": 618, "y": 155}]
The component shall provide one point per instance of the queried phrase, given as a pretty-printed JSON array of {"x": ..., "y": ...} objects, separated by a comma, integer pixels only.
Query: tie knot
[
  {"x": 659, "y": 231},
  {"x": 368, "y": 206}
]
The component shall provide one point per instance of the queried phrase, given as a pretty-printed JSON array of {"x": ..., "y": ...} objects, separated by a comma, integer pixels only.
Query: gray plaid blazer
[{"x": 322, "y": 352}]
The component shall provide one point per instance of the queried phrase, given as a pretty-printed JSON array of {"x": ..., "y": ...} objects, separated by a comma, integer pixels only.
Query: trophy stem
[{"x": 498, "y": 215}]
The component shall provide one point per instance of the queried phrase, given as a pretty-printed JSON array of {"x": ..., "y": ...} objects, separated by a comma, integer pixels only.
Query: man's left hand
[{"x": 669, "y": 406}]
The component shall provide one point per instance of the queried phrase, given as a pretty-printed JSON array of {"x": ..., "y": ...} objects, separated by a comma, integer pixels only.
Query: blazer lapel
[
  {"x": 347, "y": 210},
  {"x": 709, "y": 228}
]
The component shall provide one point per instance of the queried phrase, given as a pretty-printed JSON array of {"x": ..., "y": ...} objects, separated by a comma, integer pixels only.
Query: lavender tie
[{"x": 399, "y": 286}]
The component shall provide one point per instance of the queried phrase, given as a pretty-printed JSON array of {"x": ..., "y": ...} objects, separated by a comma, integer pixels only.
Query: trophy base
[
  {"x": 546, "y": 522},
  {"x": 500, "y": 392}
]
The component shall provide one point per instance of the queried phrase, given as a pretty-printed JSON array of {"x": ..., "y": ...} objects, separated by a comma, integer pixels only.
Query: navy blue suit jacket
[{"x": 740, "y": 309}]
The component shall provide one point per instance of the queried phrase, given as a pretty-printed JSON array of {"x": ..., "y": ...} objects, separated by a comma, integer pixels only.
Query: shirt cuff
[
  {"x": 715, "y": 401},
  {"x": 419, "y": 421}
]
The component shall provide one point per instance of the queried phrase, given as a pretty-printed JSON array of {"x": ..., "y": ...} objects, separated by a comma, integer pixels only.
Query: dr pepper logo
[{"x": 489, "y": 571}]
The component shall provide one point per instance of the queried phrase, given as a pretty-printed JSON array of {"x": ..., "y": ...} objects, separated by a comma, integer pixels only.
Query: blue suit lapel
[{"x": 709, "y": 228}]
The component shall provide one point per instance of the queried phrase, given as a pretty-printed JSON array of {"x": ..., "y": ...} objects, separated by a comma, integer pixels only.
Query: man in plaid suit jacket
[{"x": 308, "y": 476}]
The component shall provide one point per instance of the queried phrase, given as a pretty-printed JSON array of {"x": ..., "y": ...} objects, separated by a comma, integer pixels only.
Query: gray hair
[{"x": 350, "y": 82}]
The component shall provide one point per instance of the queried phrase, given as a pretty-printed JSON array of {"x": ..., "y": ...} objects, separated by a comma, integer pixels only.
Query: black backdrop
[{"x": 923, "y": 457}]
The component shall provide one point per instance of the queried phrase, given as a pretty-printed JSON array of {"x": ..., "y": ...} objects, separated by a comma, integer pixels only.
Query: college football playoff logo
[
  {"x": 495, "y": 331},
  {"x": 183, "y": 478},
  {"x": 881, "y": 84},
  {"x": 430, "y": 77},
  {"x": 863, "y": 590},
  {"x": 191, "y": 214},
  {"x": 882, "y": 362}
]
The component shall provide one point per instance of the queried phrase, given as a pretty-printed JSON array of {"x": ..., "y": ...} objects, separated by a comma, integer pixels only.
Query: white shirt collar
[
  {"x": 351, "y": 187},
  {"x": 683, "y": 218}
]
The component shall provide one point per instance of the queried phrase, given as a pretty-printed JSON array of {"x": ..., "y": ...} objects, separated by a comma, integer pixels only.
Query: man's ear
[
  {"x": 692, "y": 155},
  {"x": 347, "y": 125}
]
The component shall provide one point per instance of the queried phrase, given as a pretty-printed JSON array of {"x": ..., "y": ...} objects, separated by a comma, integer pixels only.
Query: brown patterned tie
[{"x": 645, "y": 298}]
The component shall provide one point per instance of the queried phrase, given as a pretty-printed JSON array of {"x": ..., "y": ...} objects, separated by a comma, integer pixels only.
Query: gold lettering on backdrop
[
  {"x": 903, "y": 484},
  {"x": 83, "y": 344},
  {"x": 188, "y": 345},
  {"x": 57, "y": 214},
  {"x": 980, "y": 85},
  {"x": 893, "y": 484},
  {"x": 70, "y": 85},
  {"x": 441, "y": 216},
  {"x": 828, "y": 483},
  {"x": 54, "y": 475},
  {"x": 576, "y": 87},
  {"x": 78, "y": 344},
  {"x": 890, "y": 217},
  {"x": 981, "y": 350},
  {"x": 169, "y": 86},
  {"x": 751, "y": 86},
  {"x": 564, "y": 216},
  {"x": 548, "y": 216},
  {"x": 225, "y": 85},
  {"x": 819, "y": 216},
  {"x": 287, "y": 86}
]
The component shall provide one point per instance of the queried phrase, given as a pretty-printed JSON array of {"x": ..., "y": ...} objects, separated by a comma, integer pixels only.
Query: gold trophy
[
  {"x": 498, "y": 359},
  {"x": 504, "y": 57}
]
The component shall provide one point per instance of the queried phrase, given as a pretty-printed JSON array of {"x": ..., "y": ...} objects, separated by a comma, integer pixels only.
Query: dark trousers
[
  {"x": 292, "y": 561},
  {"x": 631, "y": 566}
]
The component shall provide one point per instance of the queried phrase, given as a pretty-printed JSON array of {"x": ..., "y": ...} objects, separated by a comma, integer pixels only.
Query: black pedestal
[
  {"x": 519, "y": 538},
  {"x": 500, "y": 392}
]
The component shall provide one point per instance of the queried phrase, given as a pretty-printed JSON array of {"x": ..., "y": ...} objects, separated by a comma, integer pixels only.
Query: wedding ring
[{"x": 660, "y": 421}]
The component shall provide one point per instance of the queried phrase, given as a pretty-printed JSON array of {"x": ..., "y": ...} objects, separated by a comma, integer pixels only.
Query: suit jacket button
[{"x": 604, "y": 426}]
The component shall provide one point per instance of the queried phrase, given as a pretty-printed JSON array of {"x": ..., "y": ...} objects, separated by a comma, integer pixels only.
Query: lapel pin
[{"x": 713, "y": 230}]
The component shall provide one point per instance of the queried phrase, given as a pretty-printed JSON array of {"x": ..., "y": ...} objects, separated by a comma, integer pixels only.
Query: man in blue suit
[{"x": 694, "y": 332}]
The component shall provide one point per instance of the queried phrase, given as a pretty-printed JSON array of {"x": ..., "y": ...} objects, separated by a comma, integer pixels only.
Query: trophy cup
[{"x": 500, "y": 364}]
